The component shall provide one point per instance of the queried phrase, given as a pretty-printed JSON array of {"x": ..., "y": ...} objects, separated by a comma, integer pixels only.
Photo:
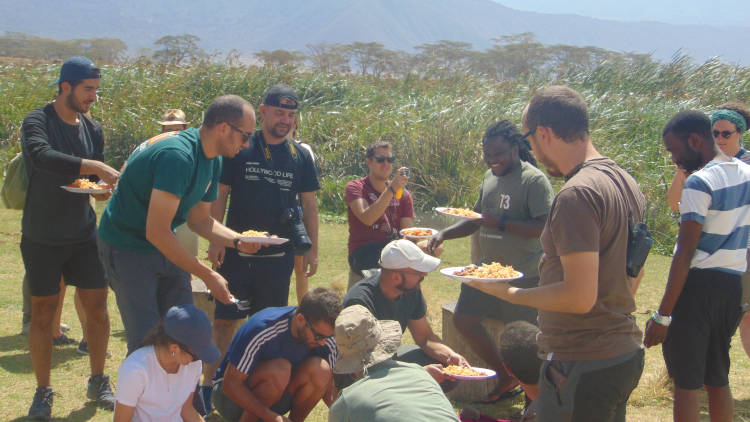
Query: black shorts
[
  {"x": 78, "y": 264},
  {"x": 704, "y": 320},
  {"x": 477, "y": 303},
  {"x": 263, "y": 281}
]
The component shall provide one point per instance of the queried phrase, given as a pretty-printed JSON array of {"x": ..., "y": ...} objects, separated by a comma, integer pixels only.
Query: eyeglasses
[
  {"x": 529, "y": 133},
  {"x": 726, "y": 134},
  {"x": 245, "y": 135},
  {"x": 380, "y": 159},
  {"x": 420, "y": 275},
  {"x": 316, "y": 335}
]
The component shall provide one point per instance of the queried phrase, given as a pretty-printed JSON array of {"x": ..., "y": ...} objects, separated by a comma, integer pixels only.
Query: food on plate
[
  {"x": 86, "y": 184},
  {"x": 256, "y": 233},
  {"x": 463, "y": 371},
  {"x": 462, "y": 212},
  {"x": 417, "y": 232},
  {"x": 492, "y": 270}
]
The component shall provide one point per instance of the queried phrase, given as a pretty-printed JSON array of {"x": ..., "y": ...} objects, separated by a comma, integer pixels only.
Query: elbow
[{"x": 583, "y": 305}]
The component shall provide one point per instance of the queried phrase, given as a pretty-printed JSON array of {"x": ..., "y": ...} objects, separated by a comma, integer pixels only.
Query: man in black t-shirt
[
  {"x": 264, "y": 181},
  {"x": 393, "y": 293},
  {"x": 60, "y": 143}
]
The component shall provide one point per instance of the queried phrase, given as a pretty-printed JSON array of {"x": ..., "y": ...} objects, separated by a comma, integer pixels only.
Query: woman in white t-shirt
[{"x": 157, "y": 381}]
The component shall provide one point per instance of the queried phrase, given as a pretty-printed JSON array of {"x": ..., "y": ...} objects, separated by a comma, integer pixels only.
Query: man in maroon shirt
[{"x": 376, "y": 210}]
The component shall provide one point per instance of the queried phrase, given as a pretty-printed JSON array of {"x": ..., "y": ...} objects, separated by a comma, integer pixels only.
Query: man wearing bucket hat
[
  {"x": 156, "y": 382},
  {"x": 382, "y": 389},
  {"x": 392, "y": 293},
  {"x": 61, "y": 143},
  {"x": 173, "y": 119}
]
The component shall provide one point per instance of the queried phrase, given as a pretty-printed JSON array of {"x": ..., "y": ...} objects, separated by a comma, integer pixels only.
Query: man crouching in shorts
[{"x": 701, "y": 307}]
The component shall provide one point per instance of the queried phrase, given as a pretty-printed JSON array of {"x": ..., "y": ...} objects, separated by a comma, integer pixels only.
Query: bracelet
[
  {"x": 236, "y": 242},
  {"x": 501, "y": 225},
  {"x": 660, "y": 319}
]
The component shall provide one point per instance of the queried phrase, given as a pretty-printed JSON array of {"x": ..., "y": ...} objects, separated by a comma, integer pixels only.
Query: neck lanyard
[{"x": 267, "y": 150}]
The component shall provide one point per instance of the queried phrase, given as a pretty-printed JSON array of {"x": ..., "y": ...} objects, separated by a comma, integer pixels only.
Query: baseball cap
[
  {"x": 402, "y": 253},
  {"x": 77, "y": 68},
  {"x": 362, "y": 340},
  {"x": 190, "y": 326},
  {"x": 281, "y": 95}
]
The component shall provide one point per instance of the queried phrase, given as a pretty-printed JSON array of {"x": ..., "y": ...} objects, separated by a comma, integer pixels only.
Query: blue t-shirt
[
  {"x": 173, "y": 162},
  {"x": 267, "y": 335}
]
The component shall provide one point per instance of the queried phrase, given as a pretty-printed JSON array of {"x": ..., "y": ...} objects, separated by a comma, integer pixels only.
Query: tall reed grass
[{"x": 435, "y": 124}]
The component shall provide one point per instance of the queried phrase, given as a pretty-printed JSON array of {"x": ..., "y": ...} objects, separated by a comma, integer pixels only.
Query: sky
[{"x": 711, "y": 12}]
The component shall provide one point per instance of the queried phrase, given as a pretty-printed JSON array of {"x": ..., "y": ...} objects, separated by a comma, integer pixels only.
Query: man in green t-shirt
[
  {"x": 514, "y": 200},
  {"x": 374, "y": 386},
  {"x": 168, "y": 180}
]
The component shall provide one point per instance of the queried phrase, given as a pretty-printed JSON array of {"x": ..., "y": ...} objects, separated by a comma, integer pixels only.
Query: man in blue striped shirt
[
  {"x": 701, "y": 306},
  {"x": 280, "y": 360}
]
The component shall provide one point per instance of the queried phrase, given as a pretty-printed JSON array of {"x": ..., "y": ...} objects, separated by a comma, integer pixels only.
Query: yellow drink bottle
[{"x": 400, "y": 191}]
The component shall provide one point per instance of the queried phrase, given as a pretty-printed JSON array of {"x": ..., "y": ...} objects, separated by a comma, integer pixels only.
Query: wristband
[
  {"x": 236, "y": 242},
  {"x": 660, "y": 319},
  {"x": 501, "y": 225}
]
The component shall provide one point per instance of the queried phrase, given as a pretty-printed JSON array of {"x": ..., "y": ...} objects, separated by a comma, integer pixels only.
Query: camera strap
[{"x": 267, "y": 151}]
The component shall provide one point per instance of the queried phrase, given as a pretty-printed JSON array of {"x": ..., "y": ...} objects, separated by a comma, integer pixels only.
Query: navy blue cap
[
  {"x": 77, "y": 68},
  {"x": 191, "y": 327},
  {"x": 281, "y": 95}
]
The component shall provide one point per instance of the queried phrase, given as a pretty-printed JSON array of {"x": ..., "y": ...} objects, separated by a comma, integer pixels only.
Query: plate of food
[
  {"x": 462, "y": 213},
  {"x": 417, "y": 233},
  {"x": 264, "y": 238},
  {"x": 470, "y": 373},
  {"x": 487, "y": 272},
  {"x": 87, "y": 186}
]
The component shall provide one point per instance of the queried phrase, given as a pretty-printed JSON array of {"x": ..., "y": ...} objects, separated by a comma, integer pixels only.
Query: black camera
[
  {"x": 299, "y": 238},
  {"x": 639, "y": 245}
]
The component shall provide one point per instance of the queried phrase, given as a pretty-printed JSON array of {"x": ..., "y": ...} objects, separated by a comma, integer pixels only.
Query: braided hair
[{"x": 505, "y": 130}]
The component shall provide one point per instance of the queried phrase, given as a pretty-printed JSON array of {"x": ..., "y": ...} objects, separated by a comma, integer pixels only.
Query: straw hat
[{"x": 363, "y": 340}]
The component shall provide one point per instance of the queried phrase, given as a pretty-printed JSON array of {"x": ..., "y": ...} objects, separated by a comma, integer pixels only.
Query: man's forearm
[
  {"x": 460, "y": 229},
  {"x": 214, "y": 231},
  {"x": 245, "y": 398},
  {"x": 310, "y": 219},
  {"x": 436, "y": 349}
]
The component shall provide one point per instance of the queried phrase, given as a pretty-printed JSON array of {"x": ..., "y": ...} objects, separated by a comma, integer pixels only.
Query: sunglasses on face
[
  {"x": 245, "y": 135},
  {"x": 381, "y": 160},
  {"x": 726, "y": 134},
  {"x": 316, "y": 335},
  {"x": 529, "y": 133}
]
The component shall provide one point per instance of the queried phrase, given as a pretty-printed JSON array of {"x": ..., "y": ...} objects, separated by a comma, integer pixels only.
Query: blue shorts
[{"x": 262, "y": 281}]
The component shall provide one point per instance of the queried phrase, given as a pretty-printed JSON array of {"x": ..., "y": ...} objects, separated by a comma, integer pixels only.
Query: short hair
[
  {"x": 375, "y": 145},
  {"x": 519, "y": 351},
  {"x": 73, "y": 85},
  {"x": 321, "y": 304},
  {"x": 227, "y": 108},
  {"x": 686, "y": 122},
  {"x": 561, "y": 109}
]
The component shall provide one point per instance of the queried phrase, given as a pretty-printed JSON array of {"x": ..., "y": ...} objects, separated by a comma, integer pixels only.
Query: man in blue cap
[{"x": 61, "y": 143}]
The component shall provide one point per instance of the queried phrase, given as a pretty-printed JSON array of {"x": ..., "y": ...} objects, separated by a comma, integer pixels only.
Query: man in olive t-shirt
[{"x": 585, "y": 297}]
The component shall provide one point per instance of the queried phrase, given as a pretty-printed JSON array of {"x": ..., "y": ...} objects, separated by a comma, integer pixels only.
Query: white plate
[
  {"x": 265, "y": 240},
  {"x": 441, "y": 210},
  {"x": 409, "y": 236},
  {"x": 488, "y": 373},
  {"x": 87, "y": 190},
  {"x": 450, "y": 272}
]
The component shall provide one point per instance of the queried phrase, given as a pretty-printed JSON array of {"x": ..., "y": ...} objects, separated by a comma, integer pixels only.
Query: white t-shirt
[{"x": 156, "y": 395}]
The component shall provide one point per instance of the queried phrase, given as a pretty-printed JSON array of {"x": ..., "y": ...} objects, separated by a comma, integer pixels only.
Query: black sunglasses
[
  {"x": 380, "y": 159},
  {"x": 726, "y": 134},
  {"x": 245, "y": 135},
  {"x": 316, "y": 335},
  {"x": 529, "y": 133}
]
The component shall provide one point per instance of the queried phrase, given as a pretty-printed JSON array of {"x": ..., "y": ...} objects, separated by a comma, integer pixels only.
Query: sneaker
[
  {"x": 83, "y": 348},
  {"x": 41, "y": 407},
  {"x": 100, "y": 392},
  {"x": 63, "y": 340}
]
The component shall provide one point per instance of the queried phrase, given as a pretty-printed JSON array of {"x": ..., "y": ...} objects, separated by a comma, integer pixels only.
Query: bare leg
[
  {"x": 81, "y": 314},
  {"x": 481, "y": 343},
  {"x": 224, "y": 330},
  {"x": 685, "y": 407},
  {"x": 56, "y": 329},
  {"x": 720, "y": 404},
  {"x": 745, "y": 332},
  {"x": 268, "y": 383},
  {"x": 40, "y": 336},
  {"x": 309, "y": 382},
  {"x": 94, "y": 302},
  {"x": 300, "y": 278}
]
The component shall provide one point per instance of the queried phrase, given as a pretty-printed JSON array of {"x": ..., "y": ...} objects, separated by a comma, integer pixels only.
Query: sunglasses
[
  {"x": 245, "y": 135},
  {"x": 381, "y": 160},
  {"x": 316, "y": 335},
  {"x": 726, "y": 134},
  {"x": 529, "y": 133}
]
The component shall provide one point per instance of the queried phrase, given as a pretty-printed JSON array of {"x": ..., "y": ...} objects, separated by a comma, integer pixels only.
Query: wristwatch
[
  {"x": 236, "y": 242},
  {"x": 501, "y": 224},
  {"x": 660, "y": 319}
]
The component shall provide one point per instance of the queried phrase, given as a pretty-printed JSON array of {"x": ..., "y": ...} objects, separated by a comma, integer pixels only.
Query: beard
[
  {"x": 691, "y": 163},
  {"x": 278, "y": 130},
  {"x": 75, "y": 105}
]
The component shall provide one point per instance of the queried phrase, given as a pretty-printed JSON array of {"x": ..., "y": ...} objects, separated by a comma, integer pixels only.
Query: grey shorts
[
  {"x": 145, "y": 286},
  {"x": 595, "y": 390}
]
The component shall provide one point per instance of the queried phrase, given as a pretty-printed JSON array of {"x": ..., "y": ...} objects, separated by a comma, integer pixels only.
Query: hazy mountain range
[{"x": 254, "y": 25}]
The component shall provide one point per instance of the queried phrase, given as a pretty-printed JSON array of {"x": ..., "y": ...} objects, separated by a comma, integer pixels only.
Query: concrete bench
[{"x": 469, "y": 391}]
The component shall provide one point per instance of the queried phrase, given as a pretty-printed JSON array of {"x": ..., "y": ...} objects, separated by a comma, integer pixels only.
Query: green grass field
[{"x": 651, "y": 401}]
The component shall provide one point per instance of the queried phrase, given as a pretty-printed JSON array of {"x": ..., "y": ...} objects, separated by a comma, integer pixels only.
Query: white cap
[{"x": 402, "y": 253}]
